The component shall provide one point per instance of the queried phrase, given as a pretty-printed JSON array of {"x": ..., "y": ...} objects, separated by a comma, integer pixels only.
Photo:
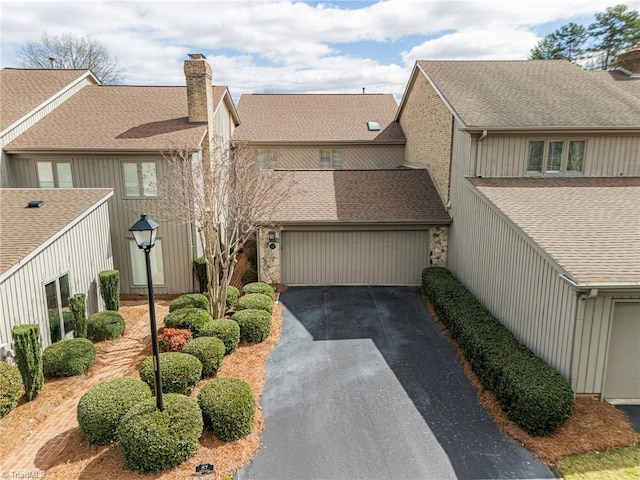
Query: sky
[{"x": 271, "y": 46}]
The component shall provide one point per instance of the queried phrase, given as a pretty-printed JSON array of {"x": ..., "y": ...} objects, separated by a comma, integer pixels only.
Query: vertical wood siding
[{"x": 22, "y": 295}]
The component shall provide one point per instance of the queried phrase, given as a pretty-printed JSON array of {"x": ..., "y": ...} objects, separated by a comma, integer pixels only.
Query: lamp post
[{"x": 145, "y": 232}]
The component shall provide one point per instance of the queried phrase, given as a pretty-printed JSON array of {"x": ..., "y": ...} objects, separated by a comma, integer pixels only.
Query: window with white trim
[
  {"x": 330, "y": 159},
  {"x": 54, "y": 174},
  {"x": 140, "y": 179},
  {"x": 555, "y": 157},
  {"x": 61, "y": 320},
  {"x": 139, "y": 266}
]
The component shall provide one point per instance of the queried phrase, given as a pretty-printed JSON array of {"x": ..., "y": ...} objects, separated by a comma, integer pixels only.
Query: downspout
[
  {"x": 478, "y": 150},
  {"x": 579, "y": 325}
]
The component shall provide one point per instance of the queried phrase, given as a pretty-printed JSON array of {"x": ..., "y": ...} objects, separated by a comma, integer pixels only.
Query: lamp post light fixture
[{"x": 145, "y": 232}]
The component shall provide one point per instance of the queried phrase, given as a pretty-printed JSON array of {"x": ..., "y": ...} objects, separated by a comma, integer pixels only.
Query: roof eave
[
  {"x": 317, "y": 142},
  {"x": 601, "y": 285},
  {"x": 372, "y": 222},
  {"x": 555, "y": 129}
]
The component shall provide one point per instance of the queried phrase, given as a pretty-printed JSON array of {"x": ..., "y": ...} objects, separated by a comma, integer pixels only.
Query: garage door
[
  {"x": 622, "y": 380},
  {"x": 354, "y": 257}
]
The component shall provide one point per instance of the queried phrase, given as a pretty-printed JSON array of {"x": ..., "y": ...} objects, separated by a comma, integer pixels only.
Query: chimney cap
[{"x": 196, "y": 56}]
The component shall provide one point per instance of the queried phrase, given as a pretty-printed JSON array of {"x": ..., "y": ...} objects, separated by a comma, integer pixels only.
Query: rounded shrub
[
  {"x": 190, "y": 318},
  {"x": 255, "y": 325},
  {"x": 173, "y": 339},
  {"x": 10, "y": 386},
  {"x": 105, "y": 325},
  {"x": 259, "y": 287},
  {"x": 100, "y": 409},
  {"x": 68, "y": 358},
  {"x": 226, "y": 330},
  {"x": 228, "y": 407},
  {"x": 210, "y": 352},
  {"x": 179, "y": 372},
  {"x": 152, "y": 441},
  {"x": 255, "y": 301},
  {"x": 232, "y": 296},
  {"x": 190, "y": 300}
]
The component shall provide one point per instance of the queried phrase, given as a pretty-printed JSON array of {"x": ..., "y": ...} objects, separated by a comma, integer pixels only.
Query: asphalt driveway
[{"x": 363, "y": 385}]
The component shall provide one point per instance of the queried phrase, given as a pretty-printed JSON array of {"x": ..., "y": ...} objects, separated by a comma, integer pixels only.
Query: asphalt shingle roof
[
  {"x": 589, "y": 225},
  {"x": 533, "y": 93},
  {"x": 343, "y": 196},
  {"x": 317, "y": 118},
  {"x": 23, "y": 229},
  {"x": 22, "y": 90}
]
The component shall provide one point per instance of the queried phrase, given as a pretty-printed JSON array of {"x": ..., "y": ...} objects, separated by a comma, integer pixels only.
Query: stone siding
[
  {"x": 438, "y": 246},
  {"x": 269, "y": 270}
]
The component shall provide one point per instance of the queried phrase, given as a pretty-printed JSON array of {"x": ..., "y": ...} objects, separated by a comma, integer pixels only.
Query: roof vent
[
  {"x": 35, "y": 204},
  {"x": 373, "y": 126}
]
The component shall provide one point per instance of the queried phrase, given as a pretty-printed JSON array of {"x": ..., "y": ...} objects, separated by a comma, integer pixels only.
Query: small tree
[
  {"x": 28, "y": 345},
  {"x": 616, "y": 29},
  {"x": 110, "y": 289},
  {"x": 565, "y": 43},
  {"x": 78, "y": 306}
]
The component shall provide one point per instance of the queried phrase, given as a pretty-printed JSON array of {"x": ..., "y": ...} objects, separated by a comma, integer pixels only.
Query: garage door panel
[
  {"x": 354, "y": 257},
  {"x": 623, "y": 362}
]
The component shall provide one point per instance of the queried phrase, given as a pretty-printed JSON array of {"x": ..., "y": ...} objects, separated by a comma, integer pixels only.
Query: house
[
  {"x": 539, "y": 165},
  {"x": 53, "y": 244},
  {"x": 354, "y": 213},
  {"x": 118, "y": 137}
]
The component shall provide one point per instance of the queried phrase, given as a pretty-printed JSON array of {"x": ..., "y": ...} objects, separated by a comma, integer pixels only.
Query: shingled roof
[
  {"x": 317, "y": 118},
  {"x": 531, "y": 94},
  {"x": 360, "y": 196},
  {"x": 22, "y": 90},
  {"x": 22, "y": 229},
  {"x": 589, "y": 225}
]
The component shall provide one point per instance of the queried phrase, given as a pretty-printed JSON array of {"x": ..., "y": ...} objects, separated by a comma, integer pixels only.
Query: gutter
[
  {"x": 599, "y": 286},
  {"x": 557, "y": 129}
]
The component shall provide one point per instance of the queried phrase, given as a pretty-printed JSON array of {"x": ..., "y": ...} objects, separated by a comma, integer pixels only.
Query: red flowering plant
[{"x": 173, "y": 339}]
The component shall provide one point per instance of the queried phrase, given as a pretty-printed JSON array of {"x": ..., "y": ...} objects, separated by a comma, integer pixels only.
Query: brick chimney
[
  {"x": 199, "y": 88},
  {"x": 630, "y": 60}
]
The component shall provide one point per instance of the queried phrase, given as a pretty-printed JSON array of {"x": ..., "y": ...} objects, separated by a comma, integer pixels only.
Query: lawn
[{"x": 618, "y": 464}]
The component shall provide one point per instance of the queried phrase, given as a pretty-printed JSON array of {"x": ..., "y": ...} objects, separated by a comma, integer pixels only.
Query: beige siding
[
  {"x": 354, "y": 157},
  {"x": 427, "y": 124},
  {"x": 22, "y": 295},
  {"x": 354, "y": 257},
  {"x": 605, "y": 155},
  {"x": 106, "y": 171}
]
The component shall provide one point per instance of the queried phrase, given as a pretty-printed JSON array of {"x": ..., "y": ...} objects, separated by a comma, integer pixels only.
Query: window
[
  {"x": 58, "y": 293},
  {"x": 139, "y": 266},
  {"x": 140, "y": 179},
  {"x": 330, "y": 159},
  {"x": 266, "y": 158},
  {"x": 54, "y": 175},
  {"x": 553, "y": 156}
]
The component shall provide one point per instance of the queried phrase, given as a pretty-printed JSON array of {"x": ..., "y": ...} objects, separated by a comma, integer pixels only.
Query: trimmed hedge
[
  {"x": 533, "y": 394},
  {"x": 152, "y": 441},
  {"x": 190, "y": 318},
  {"x": 28, "y": 346},
  {"x": 78, "y": 307},
  {"x": 68, "y": 358},
  {"x": 179, "y": 372},
  {"x": 255, "y": 301},
  {"x": 226, "y": 330},
  {"x": 233, "y": 294},
  {"x": 10, "y": 386},
  {"x": 110, "y": 289},
  {"x": 259, "y": 287},
  {"x": 228, "y": 408},
  {"x": 190, "y": 300},
  {"x": 255, "y": 325},
  {"x": 100, "y": 409},
  {"x": 210, "y": 352},
  {"x": 200, "y": 269},
  {"x": 105, "y": 325}
]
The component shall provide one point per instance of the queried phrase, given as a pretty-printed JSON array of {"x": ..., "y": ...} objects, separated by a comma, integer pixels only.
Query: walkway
[{"x": 40, "y": 450}]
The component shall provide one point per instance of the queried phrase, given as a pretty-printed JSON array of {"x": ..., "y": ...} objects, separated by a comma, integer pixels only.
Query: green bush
[
  {"x": 68, "y": 358},
  {"x": 100, "y": 409},
  {"x": 200, "y": 269},
  {"x": 225, "y": 329},
  {"x": 179, "y": 372},
  {"x": 152, "y": 441},
  {"x": 105, "y": 325},
  {"x": 190, "y": 300},
  {"x": 533, "y": 394},
  {"x": 210, "y": 352},
  {"x": 249, "y": 276},
  {"x": 232, "y": 296},
  {"x": 28, "y": 346},
  {"x": 190, "y": 318},
  {"x": 78, "y": 306},
  {"x": 228, "y": 407},
  {"x": 255, "y": 301},
  {"x": 10, "y": 386},
  {"x": 255, "y": 325},
  {"x": 259, "y": 287},
  {"x": 110, "y": 289}
]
